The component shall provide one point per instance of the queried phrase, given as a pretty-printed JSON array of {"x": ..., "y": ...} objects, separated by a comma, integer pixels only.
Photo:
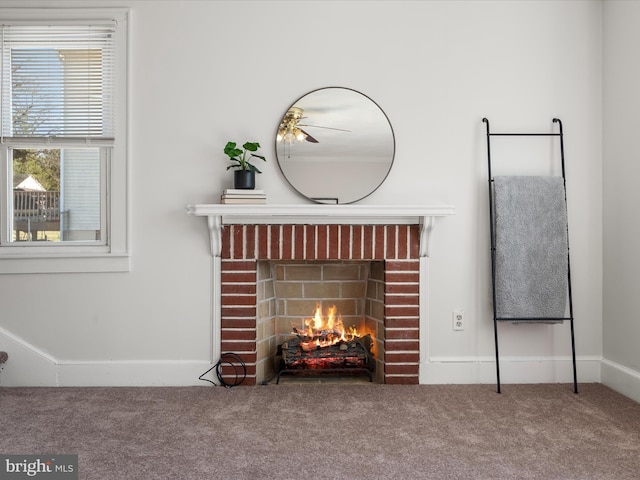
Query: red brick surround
[{"x": 396, "y": 245}]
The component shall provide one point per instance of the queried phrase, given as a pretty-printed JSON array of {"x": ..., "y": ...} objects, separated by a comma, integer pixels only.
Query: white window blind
[{"x": 57, "y": 81}]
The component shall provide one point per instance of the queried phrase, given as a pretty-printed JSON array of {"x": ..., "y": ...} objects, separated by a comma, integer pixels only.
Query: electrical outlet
[{"x": 458, "y": 320}]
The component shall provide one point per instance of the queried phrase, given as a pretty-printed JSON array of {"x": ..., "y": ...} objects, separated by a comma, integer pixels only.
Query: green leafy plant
[{"x": 238, "y": 156}]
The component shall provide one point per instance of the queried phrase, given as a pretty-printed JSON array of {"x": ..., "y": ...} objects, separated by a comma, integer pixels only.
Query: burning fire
[{"x": 323, "y": 332}]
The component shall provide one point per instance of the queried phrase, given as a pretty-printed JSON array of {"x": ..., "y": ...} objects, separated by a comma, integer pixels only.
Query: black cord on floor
[{"x": 228, "y": 359}]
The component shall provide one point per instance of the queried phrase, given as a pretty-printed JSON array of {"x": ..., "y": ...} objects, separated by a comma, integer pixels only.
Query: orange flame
[{"x": 324, "y": 332}]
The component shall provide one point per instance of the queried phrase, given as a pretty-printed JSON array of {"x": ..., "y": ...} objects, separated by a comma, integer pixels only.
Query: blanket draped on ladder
[{"x": 531, "y": 247}]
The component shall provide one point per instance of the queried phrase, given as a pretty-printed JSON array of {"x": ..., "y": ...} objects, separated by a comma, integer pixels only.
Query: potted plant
[{"x": 245, "y": 174}]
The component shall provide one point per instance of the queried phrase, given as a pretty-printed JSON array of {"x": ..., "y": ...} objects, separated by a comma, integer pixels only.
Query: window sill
[{"x": 33, "y": 263}]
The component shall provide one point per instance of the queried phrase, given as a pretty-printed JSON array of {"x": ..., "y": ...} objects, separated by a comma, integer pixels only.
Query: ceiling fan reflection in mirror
[{"x": 290, "y": 131}]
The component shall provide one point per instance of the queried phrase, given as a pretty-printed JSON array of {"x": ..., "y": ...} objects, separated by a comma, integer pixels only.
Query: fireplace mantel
[{"x": 225, "y": 214}]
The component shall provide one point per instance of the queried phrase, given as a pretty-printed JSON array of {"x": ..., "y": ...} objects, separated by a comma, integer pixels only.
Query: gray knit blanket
[{"x": 531, "y": 264}]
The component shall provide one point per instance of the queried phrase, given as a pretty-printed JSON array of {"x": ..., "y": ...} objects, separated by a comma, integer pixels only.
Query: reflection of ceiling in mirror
[{"x": 369, "y": 136}]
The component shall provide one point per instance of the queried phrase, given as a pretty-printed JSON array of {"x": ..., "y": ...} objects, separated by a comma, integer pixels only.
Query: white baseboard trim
[
  {"x": 621, "y": 379},
  {"x": 30, "y": 366},
  {"x": 27, "y": 365},
  {"x": 152, "y": 373},
  {"x": 474, "y": 370}
]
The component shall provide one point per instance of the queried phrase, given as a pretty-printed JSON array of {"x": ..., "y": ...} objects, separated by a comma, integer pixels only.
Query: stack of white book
[{"x": 235, "y": 195}]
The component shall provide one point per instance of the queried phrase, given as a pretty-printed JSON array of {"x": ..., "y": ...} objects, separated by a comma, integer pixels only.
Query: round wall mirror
[{"x": 335, "y": 145}]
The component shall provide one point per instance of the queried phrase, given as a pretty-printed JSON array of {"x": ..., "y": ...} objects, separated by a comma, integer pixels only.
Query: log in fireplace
[
  {"x": 347, "y": 357},
  {"x": 325, "y": 346}
]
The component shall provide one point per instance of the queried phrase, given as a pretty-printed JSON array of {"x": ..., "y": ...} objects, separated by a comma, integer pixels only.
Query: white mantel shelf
[{"x": 319, "y": 214}]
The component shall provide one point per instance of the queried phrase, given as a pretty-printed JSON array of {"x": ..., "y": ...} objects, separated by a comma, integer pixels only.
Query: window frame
[{"x": 66, "y": 257}]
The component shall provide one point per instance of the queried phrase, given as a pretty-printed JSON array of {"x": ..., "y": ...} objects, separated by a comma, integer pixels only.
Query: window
[{"x": 63, "y": 157}]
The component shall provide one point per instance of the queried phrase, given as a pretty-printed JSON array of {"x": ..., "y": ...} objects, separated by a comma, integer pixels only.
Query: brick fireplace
[
  {"x": 248, "y": 309},
  {"x": 255, "y": 245}
]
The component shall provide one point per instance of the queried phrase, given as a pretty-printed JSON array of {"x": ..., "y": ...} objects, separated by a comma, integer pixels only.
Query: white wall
[
  {"x": 204, "y": 73},
  {"x": 621, "y": 322}
]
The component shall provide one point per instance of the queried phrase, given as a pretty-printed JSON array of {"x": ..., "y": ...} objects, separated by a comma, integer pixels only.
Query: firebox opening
[{"x": 305, "y": 305}]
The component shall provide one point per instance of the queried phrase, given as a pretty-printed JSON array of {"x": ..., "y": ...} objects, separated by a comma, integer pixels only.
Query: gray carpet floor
[{"x": 312, "y": 431}]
